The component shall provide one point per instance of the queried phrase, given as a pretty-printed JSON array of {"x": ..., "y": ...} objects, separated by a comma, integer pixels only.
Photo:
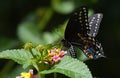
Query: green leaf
[
  {"x": 20, "y": 56},
  {"x": 28, "y": 32},
  {"x": 80, "y": 55},
  {"x": 63, "y": 6},
  {"x": 73, "y": 68}
]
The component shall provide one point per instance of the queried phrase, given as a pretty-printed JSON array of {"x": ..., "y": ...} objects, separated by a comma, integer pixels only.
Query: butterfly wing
[
  {"x": 81, "y": 30},
  {"x": 94, "y": 23},
  {"x": 99, "y": 50},
  {"x": 78, "y": 23},
  {"x": 70, "y": 48}
]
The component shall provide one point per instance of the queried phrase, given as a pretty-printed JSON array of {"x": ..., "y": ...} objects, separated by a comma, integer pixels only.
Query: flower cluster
[
  {"x": 54, "y": 55},
  {"x": 27, "y": 75}
]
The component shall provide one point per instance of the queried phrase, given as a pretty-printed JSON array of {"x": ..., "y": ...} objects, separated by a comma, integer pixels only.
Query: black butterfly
[{"x": 81, "y": 31}]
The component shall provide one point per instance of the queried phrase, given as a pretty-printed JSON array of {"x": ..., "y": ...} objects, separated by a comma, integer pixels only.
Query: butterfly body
[{"x": 81, "y": 31}]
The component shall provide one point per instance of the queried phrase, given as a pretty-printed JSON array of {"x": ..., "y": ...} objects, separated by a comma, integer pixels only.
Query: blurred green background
[{"x": 44, "y": 21}]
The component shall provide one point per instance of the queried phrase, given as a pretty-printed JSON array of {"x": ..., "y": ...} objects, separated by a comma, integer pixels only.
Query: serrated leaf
[
  {"x": 20, "y": 56},
  {"x": 71, "y": 67}
]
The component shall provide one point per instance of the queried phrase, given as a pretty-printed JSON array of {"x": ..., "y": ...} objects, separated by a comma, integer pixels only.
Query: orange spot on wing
[
  {"x": 90, "y": 55},
  {"x": 84, "y": 51}
]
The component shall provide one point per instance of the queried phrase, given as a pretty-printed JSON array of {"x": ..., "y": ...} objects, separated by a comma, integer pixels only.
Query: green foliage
[
  {"x": 63, "y": 6},
  {"x": 27, "y": 32},
  {"x": 34, "y": 57},
  {"x": 70, "y": 67},
  {"x": 20, "y": 56},
  {"x": 80, "y": 55}
]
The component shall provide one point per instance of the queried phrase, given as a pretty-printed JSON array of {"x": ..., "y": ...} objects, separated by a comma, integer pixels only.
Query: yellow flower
[{"x": 27, "y": 75}]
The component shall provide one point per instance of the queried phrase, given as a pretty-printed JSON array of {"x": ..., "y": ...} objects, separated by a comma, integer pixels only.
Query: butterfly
[{"x": 81, "y": 31}]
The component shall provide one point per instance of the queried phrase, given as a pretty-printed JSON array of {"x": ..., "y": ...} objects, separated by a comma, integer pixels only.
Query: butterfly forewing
[
  {"x": 94, "y": 23},
  {"x": 78, "y": 23}
]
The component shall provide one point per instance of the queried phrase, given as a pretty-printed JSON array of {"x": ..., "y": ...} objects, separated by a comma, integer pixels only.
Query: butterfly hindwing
[
  {"x": 70, "y": 48},
  {"x": 94, "y": 23}
]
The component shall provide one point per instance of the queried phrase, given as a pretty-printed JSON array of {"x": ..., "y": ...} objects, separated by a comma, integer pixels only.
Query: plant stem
[
  {"x": 55, "y": 75},
  {"x": 41, "y": 75}
]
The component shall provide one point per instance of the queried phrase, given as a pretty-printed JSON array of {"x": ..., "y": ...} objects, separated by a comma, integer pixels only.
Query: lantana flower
[
  {"x": 27, "y": 75},
  {"x": 54, "y": 55}
]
